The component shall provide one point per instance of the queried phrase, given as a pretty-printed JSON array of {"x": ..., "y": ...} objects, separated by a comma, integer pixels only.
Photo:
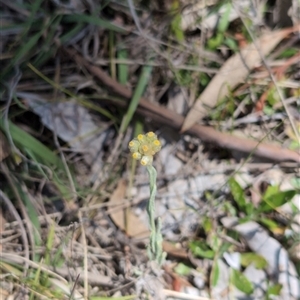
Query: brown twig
[{"x": 207, "y": 134}]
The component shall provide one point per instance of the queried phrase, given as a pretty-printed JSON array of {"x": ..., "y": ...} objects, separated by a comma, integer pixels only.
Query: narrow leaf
[
  {"x": 224, "y": 20},
  {"x": 215, "y": 274},
  {"x": 93, "y": 20},
  {"x": 237, "y": 193},
  {"x": 24, "y": 140},
  {"x": 143, "y": 81},
  {"x": 122, "y": 68},
  {"x": 200, "y": 249},
  {"x": 253, "y": 258}
]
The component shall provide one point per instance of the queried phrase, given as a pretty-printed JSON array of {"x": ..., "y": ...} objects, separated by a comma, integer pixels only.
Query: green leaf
[
  {"x": 268, "y": 110},
  {"x": 66, "y": 37},
  {"x": 24, "y": 50},
  {"x": 294, "y": 145},
  {"x": 176, "y": 21},
  {"x": 289, "y": 52},
  {"x": 214, "y": 42},
  {"x": 271, "y": 190},
  {"x": 122, "y": 68},
  {"x": 272, "y": 201},
  {"x": 182, "y": 269},
  {"x": 270, "y": 224},
  {"x": 77, "y": 18},
  {"x": 215, "y": 273},
  {"x": 241, "y": 282},
  {"x": 33, "y": 216},
  {"x": 224, "y": 20},
  {"x": 272, "y": 97},
  {"x": 138, "y": 92},
  {"x": 24, "y": 140},
  {"x": 232, "y": 44},
  {"x": 201, "y": 249},
  {"x": 252, "y": 258},
  {"x": 274, "y": 290},
  {"x": 207, "y": 225},
  {"x": 239, "y": 196}
]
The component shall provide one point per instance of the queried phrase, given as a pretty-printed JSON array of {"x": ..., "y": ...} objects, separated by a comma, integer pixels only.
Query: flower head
[{"x": 144, "y": 146}]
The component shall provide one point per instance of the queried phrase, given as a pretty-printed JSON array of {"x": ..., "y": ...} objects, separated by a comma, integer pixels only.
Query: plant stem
[{"x": 155, "y": 251}]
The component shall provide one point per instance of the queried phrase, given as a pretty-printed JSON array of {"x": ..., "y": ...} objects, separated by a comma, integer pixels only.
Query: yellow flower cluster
[{"x": 144, "y": 147}]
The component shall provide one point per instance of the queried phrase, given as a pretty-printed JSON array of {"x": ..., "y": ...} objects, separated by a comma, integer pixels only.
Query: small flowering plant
[{"x": 143, "y": 148}]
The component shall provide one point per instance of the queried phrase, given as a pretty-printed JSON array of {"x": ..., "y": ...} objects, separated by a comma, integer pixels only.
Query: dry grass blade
[{"x": 232, "y": 73}]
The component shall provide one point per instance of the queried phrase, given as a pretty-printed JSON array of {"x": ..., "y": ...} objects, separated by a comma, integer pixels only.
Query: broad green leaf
[
  {"x": 275, "y": 200},
  {"x": 241, "y": 282},
  {"x": 274, "y": 290},
  {"x": 201, "y": 249},
  {"x": 252, "y": 258},
  {"x": 182, "y": 269},
  {"x": 271, "y": 190}
]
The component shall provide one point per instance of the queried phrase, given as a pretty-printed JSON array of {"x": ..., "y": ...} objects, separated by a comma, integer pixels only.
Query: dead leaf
[
  {"x": 135, "y": 227},
  {"x": 172, "y": 250},
  {"x": 232, "y": 73}
]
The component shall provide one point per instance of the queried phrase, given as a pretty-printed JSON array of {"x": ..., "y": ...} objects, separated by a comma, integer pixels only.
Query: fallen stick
[{"x": 207, "y": 134}]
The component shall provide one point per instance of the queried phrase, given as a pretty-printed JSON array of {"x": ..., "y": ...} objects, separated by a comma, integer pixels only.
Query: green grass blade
[
  {"x": 75, "y": 18},
  {"x": 32, "y": 215},
  {"x": 25, "y": 141},
  {"x": 143, "y": 81},
  {"x": 122, "y": 68},
  {"x": 48, "y": 49},
  {"x": 22, "y": 52},
  {"x": 70, "y": 34}
]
